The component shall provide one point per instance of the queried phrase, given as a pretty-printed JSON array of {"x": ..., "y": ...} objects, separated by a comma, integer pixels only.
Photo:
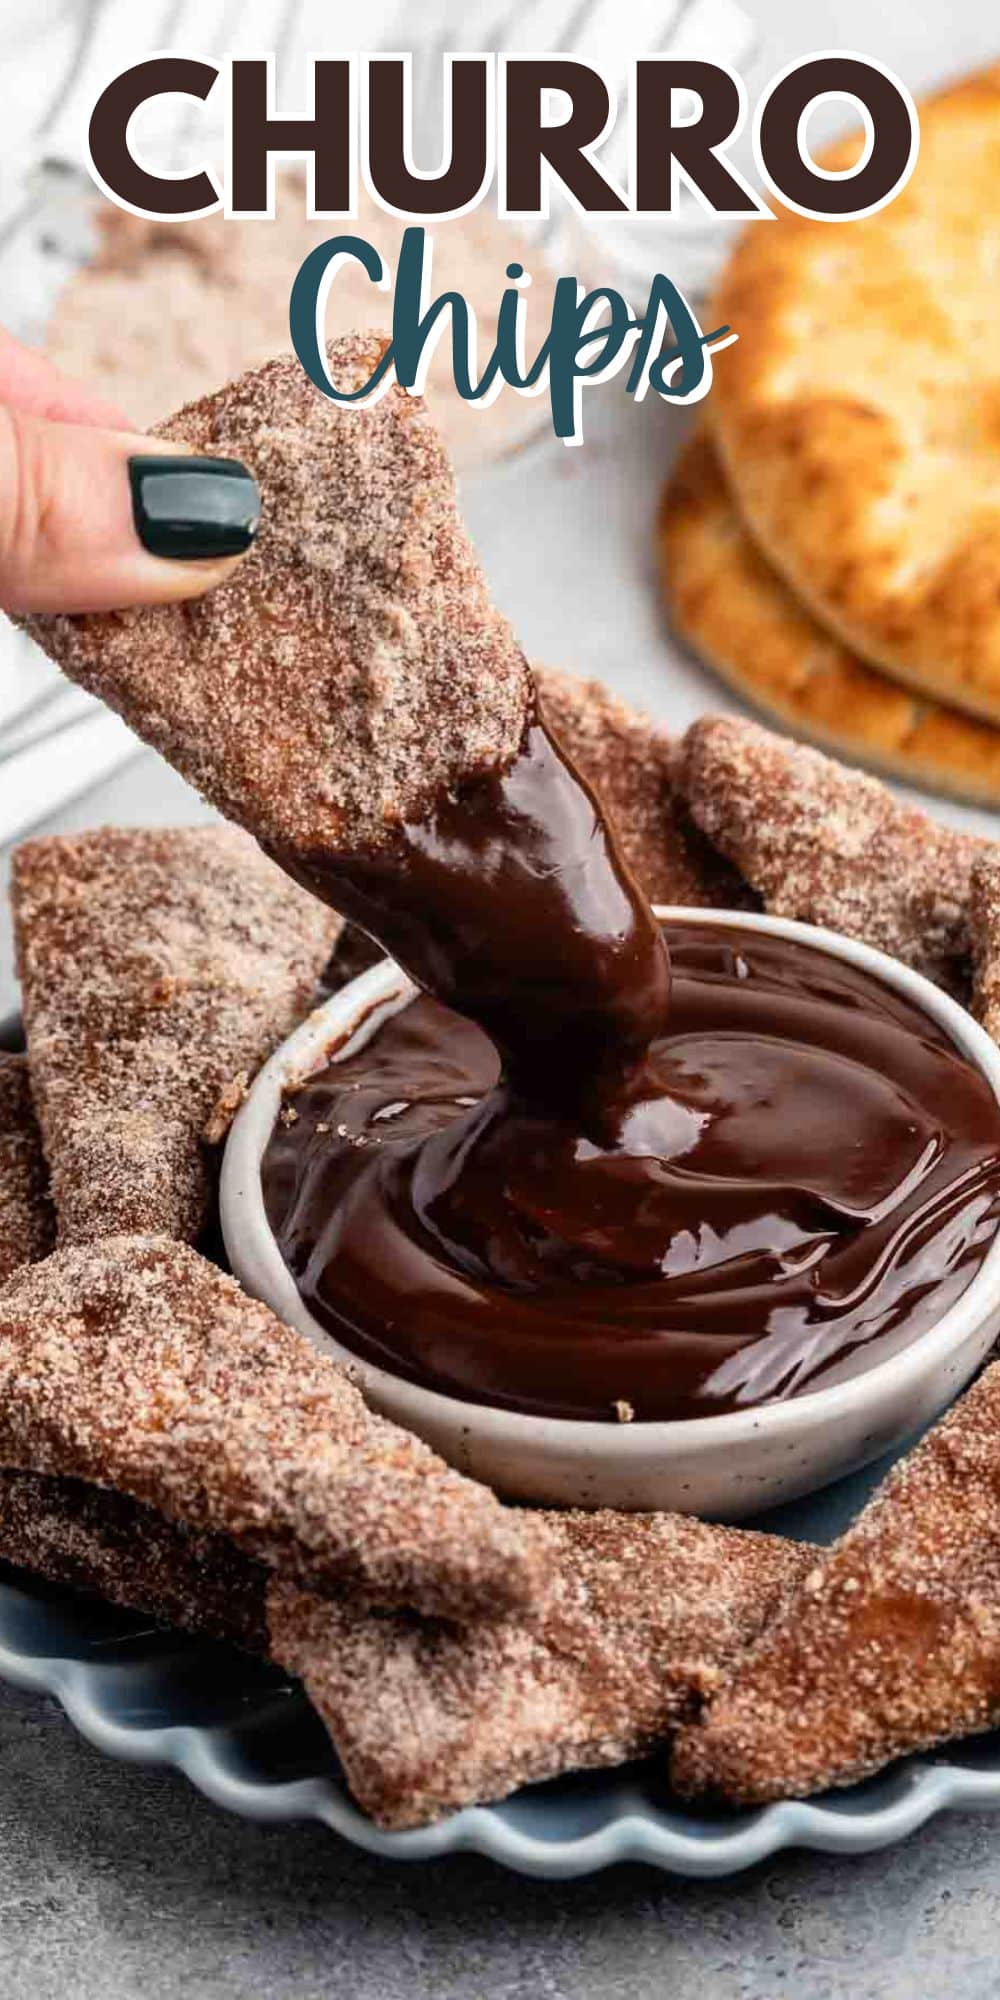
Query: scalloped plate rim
[{"x": 634, "y": 1830}]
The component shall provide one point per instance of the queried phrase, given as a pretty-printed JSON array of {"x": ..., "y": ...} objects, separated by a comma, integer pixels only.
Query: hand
[{"x": 95, "y": 517}]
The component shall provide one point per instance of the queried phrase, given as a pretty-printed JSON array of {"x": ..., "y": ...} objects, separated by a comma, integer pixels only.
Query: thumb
[{"x": 99, "y": 520}]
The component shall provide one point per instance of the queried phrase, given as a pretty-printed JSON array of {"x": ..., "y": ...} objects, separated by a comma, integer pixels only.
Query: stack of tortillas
[{"x": 831, "y": 538}]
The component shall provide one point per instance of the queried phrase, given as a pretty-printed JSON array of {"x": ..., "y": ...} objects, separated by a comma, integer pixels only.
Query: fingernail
[{"x": 193, "y": 509}]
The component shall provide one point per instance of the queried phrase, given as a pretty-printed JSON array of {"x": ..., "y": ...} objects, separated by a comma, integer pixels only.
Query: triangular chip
[
  {"x": 134, "y": 1364},
  {"x": 892, "y": 1641},
  {"x": 159, "y": 967},
  {"x": 352, "y": 669},
  {"x": 112, "y": 1548},
  {"x": 829, "y": 845},
  {"x": 629, "y": 762},
  {"x": 646, "y": 1612},
  {"x": 27, "y": 1227}
]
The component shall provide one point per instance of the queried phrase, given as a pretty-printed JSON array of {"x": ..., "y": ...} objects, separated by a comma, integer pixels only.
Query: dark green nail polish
[{"x": 193, "y": 509}]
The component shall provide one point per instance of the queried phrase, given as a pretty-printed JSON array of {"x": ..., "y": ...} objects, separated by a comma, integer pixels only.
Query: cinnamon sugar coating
[
  {"x": 829, "y": 845},
  {"x": 27, "y": 1225},
  {"x": 629, "y": 762},
  {"x": 352, "y": 667},
  {"x": 159, "y": 967},
  {"x": 646, "y": 1612},
  {"x": 891, "y": 1642},
  {"x": 109, "y": 1547},
  {"x": 985, "y": 927},
  {"x": 134, "y": 1364}
]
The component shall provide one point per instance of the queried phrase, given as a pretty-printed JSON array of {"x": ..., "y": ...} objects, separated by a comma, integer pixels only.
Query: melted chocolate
[
  {"x": 513, "y": 905},
  {"x": 803, "y": 1175}
]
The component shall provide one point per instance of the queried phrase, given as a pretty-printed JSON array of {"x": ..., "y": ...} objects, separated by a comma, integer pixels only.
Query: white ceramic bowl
[{"x": 726, "y": 1466}]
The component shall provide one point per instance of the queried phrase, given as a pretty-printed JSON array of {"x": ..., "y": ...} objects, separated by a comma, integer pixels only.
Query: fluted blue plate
[{"x": 246, "y": 1737}]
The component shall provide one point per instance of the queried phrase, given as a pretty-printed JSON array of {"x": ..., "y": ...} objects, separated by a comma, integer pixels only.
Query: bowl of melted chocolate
[
  {"x": 619, "y": 1207},
  {"x": 783, "y": 1261}
]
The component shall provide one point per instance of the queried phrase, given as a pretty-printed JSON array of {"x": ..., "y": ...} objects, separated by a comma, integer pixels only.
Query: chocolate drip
[{"x": 513, "y": 905}]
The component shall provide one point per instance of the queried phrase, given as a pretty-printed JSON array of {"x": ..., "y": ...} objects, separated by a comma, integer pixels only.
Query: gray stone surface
[{"x": 117, "y": 1881}]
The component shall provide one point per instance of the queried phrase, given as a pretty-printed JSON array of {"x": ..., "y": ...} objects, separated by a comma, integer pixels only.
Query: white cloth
[{"x": 57, "y": 55}]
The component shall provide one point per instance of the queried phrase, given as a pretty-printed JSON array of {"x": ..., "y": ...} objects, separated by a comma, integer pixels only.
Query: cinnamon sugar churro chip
[
  {"x": 830, "y": 845},
  {"x": 134, "y": 1364},
  {"x": 629, "y": 762},
  {"x": 352, "y": 668},
  {"x": 985, "y": 927},
  {"x": 647, "y": 1609},
  {"x": 892, "y": 1641},
  {"x": 158, "y": 968},
  {"x": 27, "y": 1227},
  {"x": 78, "y": 1535},
  {"x": 110, "y": 1547}
]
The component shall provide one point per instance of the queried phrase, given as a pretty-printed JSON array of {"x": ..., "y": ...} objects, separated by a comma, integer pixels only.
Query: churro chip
[
  {"x": 27, "y": 1225},
  {"x": 985, "y": 927},
  {"x": 75, "y": 1534},
  {"x": 352, "y": 667},
  {"x": 740, "y": 617},
  {"x": 134, "y": 1364},
  {"x": 890, "y": 1643},
  {"x": 829, "y": 845},
  {"x": 646, "y": 1611},
  {"x": 158, "y": 968},
  {"x": 858, "y": 412},
  {"x": 110, "y": 1547},
  {"x": 629, "y": 763}
]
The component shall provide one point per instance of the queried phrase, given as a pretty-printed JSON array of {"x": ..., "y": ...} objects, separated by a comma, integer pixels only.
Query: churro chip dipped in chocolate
[
  {"x": 134, "y": 1364},
  {"x": 109, "y": 1547},
  {"x": 159, "y": 967},
  {"x": 647, "y": 1610},
  {"x": 27, "y": 1227},
  {"x": 352, "y": 669},
  {"x": 629, "y": 762},
  {"x": 891, "y": 1642},
  {"x": 829, "y": 845},
  {"x": 352, "y": 696}
]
